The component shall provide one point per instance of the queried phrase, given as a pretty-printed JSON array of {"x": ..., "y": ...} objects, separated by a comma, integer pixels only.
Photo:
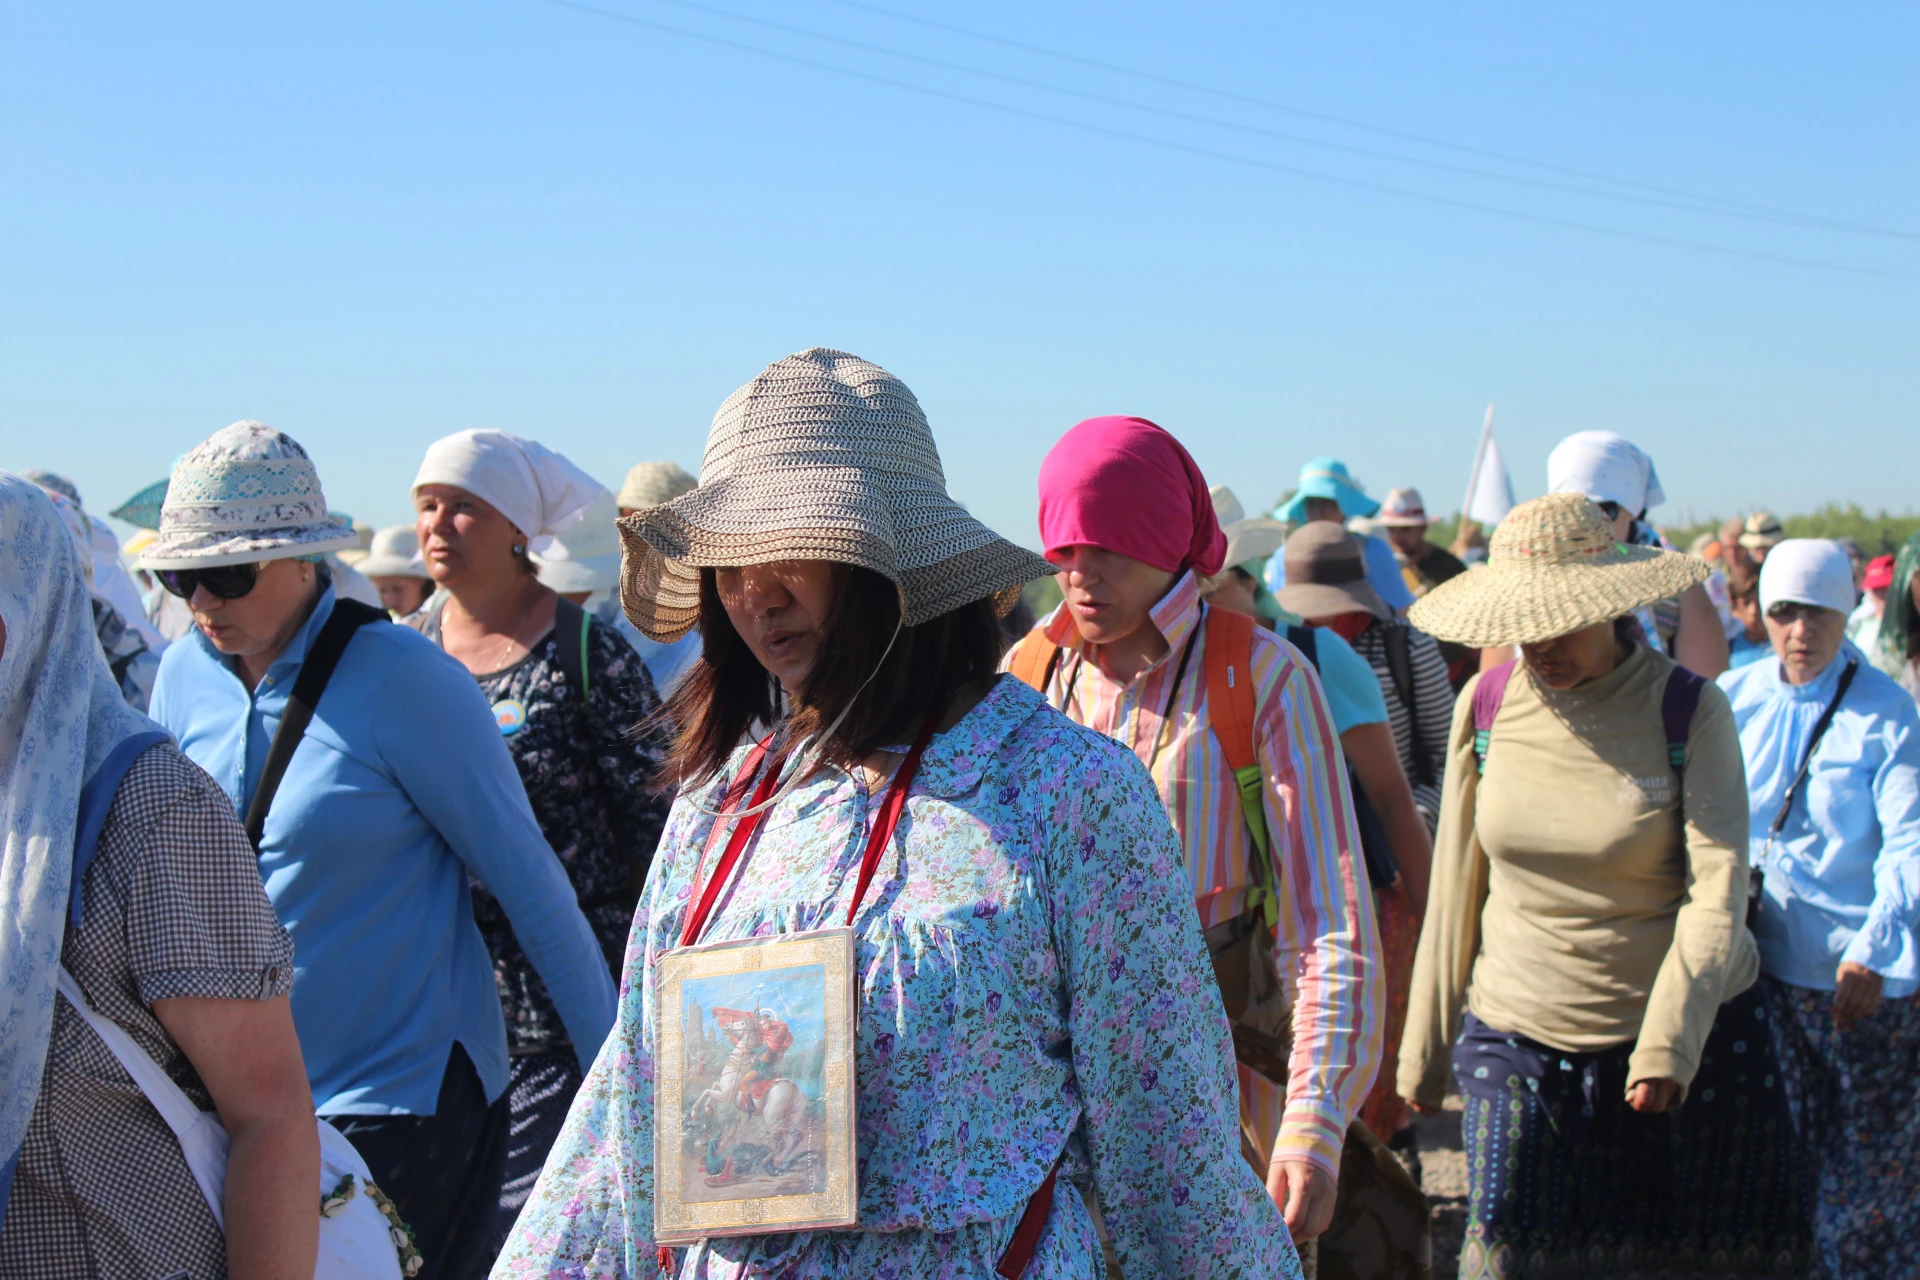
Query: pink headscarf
[{"x": 1125, "y": 485}]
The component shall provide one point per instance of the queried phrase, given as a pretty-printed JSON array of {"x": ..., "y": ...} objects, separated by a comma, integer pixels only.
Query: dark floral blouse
[{"x": 591, "y": 780}]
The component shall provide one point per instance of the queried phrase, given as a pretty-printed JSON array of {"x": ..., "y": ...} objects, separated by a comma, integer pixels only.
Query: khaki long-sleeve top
[{"x": 1582, "y": 896}]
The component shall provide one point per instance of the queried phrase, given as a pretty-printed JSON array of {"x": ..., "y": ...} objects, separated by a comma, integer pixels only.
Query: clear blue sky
[{"x": 371, "y": 224}]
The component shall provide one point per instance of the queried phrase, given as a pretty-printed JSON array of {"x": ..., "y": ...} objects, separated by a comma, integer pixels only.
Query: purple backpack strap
[
  {"x": 1678, "y": 702},
  {"x": 1487, "y": 696}
]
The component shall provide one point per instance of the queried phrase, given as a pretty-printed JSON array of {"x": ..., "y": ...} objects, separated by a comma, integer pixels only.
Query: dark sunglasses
[{"x": 227, "y": 581}]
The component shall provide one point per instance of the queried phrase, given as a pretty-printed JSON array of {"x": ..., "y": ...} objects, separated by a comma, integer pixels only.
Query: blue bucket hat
[{"x": 1327, "y": 478}]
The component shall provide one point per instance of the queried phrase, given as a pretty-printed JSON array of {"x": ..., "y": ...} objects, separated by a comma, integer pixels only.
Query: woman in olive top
[{"x": 1586, "y": 966}]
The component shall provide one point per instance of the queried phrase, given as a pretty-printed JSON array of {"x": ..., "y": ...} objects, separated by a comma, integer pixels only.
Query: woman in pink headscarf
[{"x": 1126, "y": 516}]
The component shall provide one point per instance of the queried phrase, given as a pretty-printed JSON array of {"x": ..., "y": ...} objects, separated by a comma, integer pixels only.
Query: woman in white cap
[
  {"x": 394, "y": 566},
  {"x": 1833, "y": 782},
  {"x": 568, "y": 694},
  {"x": 1585, "y": 966},
  {"x": 1031, "y": 994},
  {"x": 373, "y": 782},
  {"x": 1618, "y": 477},
  {"x": 127, "y": 884}
]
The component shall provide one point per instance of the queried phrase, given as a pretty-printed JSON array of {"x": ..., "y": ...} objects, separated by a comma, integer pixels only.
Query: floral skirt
[
  {"x": 1856, "y": 1109},
  {"x": 1566, "y": 1180}
]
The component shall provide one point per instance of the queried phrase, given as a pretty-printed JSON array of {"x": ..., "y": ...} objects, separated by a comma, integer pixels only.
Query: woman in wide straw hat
[
  {"x": 1586, "y": 965},
  {"x": 1029, "y": 980}
]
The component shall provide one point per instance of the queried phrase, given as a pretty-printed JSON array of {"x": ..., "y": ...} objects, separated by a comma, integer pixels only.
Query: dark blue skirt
[{"x": 1566, "y": 1180}]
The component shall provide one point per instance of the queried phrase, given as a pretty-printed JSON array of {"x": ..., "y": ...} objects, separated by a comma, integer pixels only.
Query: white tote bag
[{"x": 357, "y": 1242}]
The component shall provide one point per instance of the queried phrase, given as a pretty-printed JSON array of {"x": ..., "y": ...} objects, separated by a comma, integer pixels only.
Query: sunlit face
[
  {"x": 463, "y": 537},
  {"x": 264, "y": 619},
  {"x": 1568, "y": 661},
  {"x": 781, "y": 611},
  {"x": 401, "y": 594},
  {"x": 1806, "y": 638},
  {"x": 1236, "y": 591},
  {"x": 1109, "y": 595}
]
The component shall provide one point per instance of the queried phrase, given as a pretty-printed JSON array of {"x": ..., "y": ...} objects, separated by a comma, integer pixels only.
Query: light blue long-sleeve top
[
  {"x": 1843, "y": 876},
  {"x": 400, "y": 786}
]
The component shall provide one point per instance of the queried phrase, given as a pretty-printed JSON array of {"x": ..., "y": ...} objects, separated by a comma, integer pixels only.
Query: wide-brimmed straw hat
[
  {"x": 395, "y": 553},
  {"x": 1249, "y": 538},
  {"x": 1553, "y": 567},
  {"x": 1403, "y": 509},
  {"x": 648, "y": 484},
  {"x": 1327, "y": 573},
  {"x": 823, "y": 456},
  {"x": 245, "y": 493}
]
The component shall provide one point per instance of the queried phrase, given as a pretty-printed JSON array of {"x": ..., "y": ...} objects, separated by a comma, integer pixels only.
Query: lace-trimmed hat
[
  {"x": 246, "y": 493},
  {"x": 823, "y": 456},
  {"x": 1552, "y": 568}
]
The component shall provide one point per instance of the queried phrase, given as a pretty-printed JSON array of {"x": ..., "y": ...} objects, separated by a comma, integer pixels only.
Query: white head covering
[
  {"x": 244, "y": 494},
  {"x": 1807, "y": 571},
  {"x": 61, "y": 720},
  {"x": 107, "y": 578},
  {"x": 74, "y": 521},
  {"x": 587, "y": 556},
  {"x": 395, "y": 554},
  {"x": 536, "y": 489},
  {"x": 1607, "y": 468}
]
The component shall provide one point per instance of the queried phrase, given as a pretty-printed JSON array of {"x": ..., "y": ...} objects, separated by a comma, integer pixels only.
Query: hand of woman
[
  {"x": 1856, "y": 993},
  {"x": 1651, "y": 1097},
  {"x": 1305, "y": 1193}
]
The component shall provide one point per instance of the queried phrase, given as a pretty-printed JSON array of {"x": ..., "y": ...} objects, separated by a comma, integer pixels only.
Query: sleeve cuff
[
  {"x": 1659, "y": 1064},
  {"x": 216, "y": 984},
  {"x": 1307, "y": 1135},
  {"x": 1882, "y": 946}
]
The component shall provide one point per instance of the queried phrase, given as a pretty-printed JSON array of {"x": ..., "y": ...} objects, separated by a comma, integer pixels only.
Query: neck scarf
[
  {"x": 62, "y": 720},
  {"x": 1127, "y": 486}
]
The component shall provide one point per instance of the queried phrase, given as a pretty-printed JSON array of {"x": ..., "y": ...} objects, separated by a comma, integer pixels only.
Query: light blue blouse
[
  {"x": 1031, "y": 986},
  {"x": 1843, "y": 878},
  {"x": 401, "y": 785}
]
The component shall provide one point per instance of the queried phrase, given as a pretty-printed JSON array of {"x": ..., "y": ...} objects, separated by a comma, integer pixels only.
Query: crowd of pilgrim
[{"x": 1275, "y": 832}]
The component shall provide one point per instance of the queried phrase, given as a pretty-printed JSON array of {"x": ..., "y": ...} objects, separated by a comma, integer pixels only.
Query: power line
[
  {"x": 1213, "y": 154},
  {"x": 1152, "y": 77},
  {"x": 1689, "y": 204}
]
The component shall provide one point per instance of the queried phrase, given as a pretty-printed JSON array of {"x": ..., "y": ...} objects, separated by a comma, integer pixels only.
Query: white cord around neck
[{"x": 802, "y": 765}]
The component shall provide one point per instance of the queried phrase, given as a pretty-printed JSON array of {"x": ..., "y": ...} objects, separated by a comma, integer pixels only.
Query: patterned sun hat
[
  {"x": 823, "y": 456},
  {"x": 1553, "y": 567},
  {"x": 245, "y": 493}
]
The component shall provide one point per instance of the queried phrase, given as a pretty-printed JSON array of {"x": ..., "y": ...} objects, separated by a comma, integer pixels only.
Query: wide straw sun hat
[
  {"x": 823, "y": 456},
  {"x": 1552, "y": 568},
  {"x": 245, "y": 493},
  {"x": 395, "y": 553}
]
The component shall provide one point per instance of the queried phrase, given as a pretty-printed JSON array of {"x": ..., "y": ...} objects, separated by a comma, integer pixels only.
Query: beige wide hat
[
  {"x": 648, "y": 484},
  {"x": 395, "y": 554},
  {"x": 1552, "y": 568},
  {"x": 823, "y": 456},
  {"x": 1249, "y": 538}
]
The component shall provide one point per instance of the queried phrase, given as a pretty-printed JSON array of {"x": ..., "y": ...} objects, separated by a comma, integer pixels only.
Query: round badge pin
[{"x": 511, "y": 715}]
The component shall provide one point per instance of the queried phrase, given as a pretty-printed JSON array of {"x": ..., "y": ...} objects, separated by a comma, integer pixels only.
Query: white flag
[{"x": 1492, "y": 488}]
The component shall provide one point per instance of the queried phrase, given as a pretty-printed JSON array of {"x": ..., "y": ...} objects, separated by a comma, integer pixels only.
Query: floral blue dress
[{"x": 1031, "y": 980}]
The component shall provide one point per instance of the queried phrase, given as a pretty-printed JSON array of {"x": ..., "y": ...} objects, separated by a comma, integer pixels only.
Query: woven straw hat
[
  {"x": 1552, "y": 568},
  {"x": 648, "y": 484},
  {"x": 823, "y": 456}
]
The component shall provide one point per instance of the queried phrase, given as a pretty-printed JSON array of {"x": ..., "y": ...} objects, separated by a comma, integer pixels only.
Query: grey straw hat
[
  {"x": 246, "y": 493},
  {"x": 823, "y": 456},
  {"x": 1552, "y": 568},
  {"x": 1327, "y": 573}
]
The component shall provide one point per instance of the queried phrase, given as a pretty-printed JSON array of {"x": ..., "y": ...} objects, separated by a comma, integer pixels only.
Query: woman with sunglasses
[
  {"x": 568, "y": 695},
  {"x": 371, "y": 833},
  {"x": 1617, "y": 476},
  {"x": 1833, "y": 781}
]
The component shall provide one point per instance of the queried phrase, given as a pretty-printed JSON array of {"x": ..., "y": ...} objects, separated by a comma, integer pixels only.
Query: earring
[{"x": 520, "y": 549}]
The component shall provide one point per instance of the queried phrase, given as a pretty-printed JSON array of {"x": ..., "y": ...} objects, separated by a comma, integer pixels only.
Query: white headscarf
[
  {"x": 61, "y": 719},
  {"x": 1807, "y": 571},
  {"x": 1607, "y": 468},
  {"x": 536, "y": 489}
]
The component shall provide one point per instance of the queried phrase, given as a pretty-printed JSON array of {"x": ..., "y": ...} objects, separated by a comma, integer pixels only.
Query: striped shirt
[
  {"x": 1433, "y": 700},
  {"x": 1327, "y": 944}
]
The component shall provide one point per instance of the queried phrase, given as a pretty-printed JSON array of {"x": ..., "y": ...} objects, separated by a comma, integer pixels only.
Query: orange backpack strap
[
  {"x": 1033, "y": 658},
  {"x": 1231, "y": 709}
]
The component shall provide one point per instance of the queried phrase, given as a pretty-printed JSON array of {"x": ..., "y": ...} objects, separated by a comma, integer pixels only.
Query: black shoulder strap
[
  {"x": 1303, "y": 639},
  {"x": 1813, "y": 741},
  {"x": 1399, "y": 638},
  {"x": 570, "y": 627},
  {"x": 348, "y": 616}
]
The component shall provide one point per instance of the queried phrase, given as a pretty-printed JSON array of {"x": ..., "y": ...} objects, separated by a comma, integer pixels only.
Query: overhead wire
[
  {"x": 1229, "y": 95},
  {"x": 1168, "y": 144},
  {"x": 862, "y": 46}
]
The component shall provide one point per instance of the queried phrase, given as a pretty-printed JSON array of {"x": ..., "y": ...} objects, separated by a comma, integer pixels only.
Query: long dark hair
[{"x": 724, "y": 694}]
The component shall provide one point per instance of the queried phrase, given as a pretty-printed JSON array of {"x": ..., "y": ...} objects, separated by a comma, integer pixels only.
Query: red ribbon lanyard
[{"x": 890, "y": 810}]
